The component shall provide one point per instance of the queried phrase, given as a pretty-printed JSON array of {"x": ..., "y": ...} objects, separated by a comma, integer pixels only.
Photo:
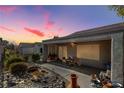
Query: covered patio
[{"x": 93, "y": 47}]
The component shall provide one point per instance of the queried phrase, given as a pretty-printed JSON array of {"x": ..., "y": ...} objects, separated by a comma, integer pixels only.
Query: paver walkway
[{"x": 83, "y": 79}]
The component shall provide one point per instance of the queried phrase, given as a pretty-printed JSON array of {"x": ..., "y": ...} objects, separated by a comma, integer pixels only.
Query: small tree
[
  {"x": 35, "y": 57},
  {"x": 119, "y": 9}
]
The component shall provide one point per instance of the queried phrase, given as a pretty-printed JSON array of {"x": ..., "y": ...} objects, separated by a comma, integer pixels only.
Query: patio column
[
  {"x": 45, "y": 52},
  {"x": 117, "y": 58}
]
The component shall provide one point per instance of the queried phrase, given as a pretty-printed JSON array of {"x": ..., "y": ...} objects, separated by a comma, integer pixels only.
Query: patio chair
[
  {"x": 68, "y": 61},
  {"x": 64, "y": 59}
]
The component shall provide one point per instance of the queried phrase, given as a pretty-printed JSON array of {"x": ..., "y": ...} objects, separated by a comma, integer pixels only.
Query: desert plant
[
  {"x": 26, "y": 58},
  {"x": 32, "y": 69},
  {"x": 13, "y": 60},
  {"x": 18, "y": 69},
  {"x": 35, "y": 57}
]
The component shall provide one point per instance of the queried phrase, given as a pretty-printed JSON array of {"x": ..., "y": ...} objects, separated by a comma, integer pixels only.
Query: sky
[{"x": 36, "y": 23}]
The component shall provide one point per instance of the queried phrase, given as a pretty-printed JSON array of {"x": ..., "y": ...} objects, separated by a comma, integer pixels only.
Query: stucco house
[
  {"x": 28, "y": 49},
  {"x": 93, "y": 47}
]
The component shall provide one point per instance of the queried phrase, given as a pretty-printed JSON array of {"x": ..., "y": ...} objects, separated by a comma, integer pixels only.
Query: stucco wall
[
  {"x": 52, "y": 49},
  {"x": 62, "y": 52},
  {"x": 26, "y": 51},
  {"x": 117, "y": 67},
  {"x": 94, "y": 54},
  {"x": 37, "y": 49},
  {"x": 72, "y": 50},
  {"x": 88, "y": 51}
]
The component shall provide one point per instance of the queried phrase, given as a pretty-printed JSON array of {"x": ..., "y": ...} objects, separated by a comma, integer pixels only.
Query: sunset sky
[{"x": 37, "y": 23}]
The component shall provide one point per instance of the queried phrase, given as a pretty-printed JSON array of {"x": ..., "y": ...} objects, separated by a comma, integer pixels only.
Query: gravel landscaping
[
  {"x": 0, "y": 80},
  {"x": 48, "y": 80}
]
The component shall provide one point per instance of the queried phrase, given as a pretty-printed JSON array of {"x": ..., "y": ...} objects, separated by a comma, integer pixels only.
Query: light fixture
[{"x": 73, "y": 44}]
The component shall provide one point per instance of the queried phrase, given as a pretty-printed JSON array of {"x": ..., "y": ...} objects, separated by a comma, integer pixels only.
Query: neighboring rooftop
[
  {"x": 27, "y": 45},
  {"x": 21, "y": 45}
]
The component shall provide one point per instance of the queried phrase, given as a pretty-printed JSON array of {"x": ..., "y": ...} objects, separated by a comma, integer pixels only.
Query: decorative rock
[
  {"x": 48, "y": 80},
  {"x": 5, "y": 83}
]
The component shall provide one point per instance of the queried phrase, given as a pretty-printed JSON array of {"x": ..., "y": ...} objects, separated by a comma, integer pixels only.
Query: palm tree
[{"x": 119, "y": 9}]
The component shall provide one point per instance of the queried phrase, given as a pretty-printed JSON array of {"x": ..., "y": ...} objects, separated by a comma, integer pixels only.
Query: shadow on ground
[{"x": 82, "y": 69}]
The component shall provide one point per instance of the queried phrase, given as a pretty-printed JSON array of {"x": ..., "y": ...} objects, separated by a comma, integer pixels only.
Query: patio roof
[{"x": 104, "y": 30}]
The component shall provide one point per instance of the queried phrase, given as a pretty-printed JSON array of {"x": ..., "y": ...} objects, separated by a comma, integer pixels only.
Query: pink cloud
[
  {"x": 60, "y": 30},
  {"x": 7, "y": 9},
  {"x": 21, "y": 22},
  {"x": 46, "y": 15},
  {"x": 34, "y": 31},
  {"x": 6, "y": 28},
  {"x": 49, "y": 25},
  {"x": 51, "y": 34}
]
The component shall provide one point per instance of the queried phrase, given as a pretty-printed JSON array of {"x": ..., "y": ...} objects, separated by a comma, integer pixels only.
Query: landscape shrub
[
  {"x": 13, "y": 60},
  {"x": 32, "y": 69},
  {"x": 35, "y": 57},
  {"x": 18, "y": 69}
]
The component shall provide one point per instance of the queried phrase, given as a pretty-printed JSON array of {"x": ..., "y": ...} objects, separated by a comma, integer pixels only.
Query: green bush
[
  {"x": 13, "y": 60},
  {"x": 35, "y": 57},
  {"x": 18, "y": 69}
]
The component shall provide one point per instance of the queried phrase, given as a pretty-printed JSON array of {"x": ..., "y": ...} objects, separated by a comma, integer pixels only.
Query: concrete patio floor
[{"x": 83, "y": 79}]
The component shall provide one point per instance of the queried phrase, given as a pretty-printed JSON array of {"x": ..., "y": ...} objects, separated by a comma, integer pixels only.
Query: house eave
[{"x": 84, "y": 35}]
